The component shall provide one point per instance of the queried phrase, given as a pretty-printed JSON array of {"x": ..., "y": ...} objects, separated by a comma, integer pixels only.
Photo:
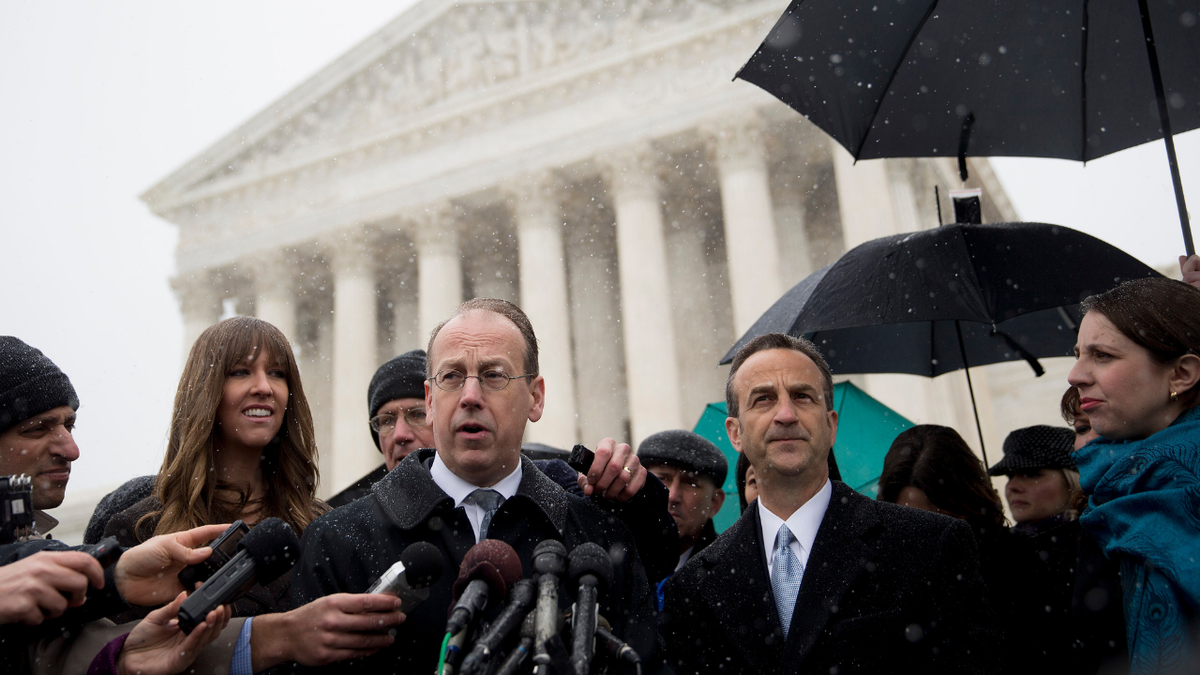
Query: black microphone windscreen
[
  {"x": 549, "y": 557},
  {"x": 590, "y": 558},
  {"x": 274, "y": 548},
  {"x": 423, "y": 565}
]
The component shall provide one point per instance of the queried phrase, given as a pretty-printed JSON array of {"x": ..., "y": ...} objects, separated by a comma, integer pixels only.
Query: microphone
[
  {"x": 420, "y": 566},
  {"x": 592, "y": 569},
  {"x": 487, "y": 571},
  {"x": 263, "y": 555},
  {"x": 509, "y": 620},
  {"x": 549, "y": 563},
  {"x": 514, "y": 661},
  {"x": 615, "y": 646}
]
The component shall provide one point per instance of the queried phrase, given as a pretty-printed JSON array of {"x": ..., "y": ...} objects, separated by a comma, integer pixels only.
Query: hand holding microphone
[
  {"x": 263, "y": 555},
  {"x": 419, "y": 568}
]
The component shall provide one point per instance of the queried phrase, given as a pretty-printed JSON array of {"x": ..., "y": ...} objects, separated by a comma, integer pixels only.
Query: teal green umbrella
[{"x": 866, "y": 429}]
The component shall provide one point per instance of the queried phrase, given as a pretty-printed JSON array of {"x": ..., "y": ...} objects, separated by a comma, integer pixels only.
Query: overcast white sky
[{"x": 102, "y": 100}]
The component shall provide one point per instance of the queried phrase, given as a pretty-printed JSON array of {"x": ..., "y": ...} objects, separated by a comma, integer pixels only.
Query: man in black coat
[
  {"x": 816, "y": 578},
  {"x": 483, "y": 388}
]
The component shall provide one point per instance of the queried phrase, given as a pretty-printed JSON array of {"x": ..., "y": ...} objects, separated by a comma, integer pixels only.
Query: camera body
[
  {"x": 224, "y": 548},
  {"x": 16, "y": 508}
]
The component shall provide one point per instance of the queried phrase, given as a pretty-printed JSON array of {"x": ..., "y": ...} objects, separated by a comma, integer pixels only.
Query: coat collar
[
  {"x": 838, "y": 556},
  {"x": 738, "y": 589},
  {"x": 409, "y": 496}
]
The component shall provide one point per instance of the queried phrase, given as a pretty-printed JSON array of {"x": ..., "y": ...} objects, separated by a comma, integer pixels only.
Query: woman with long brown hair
[{"x": 241, "y": 447}]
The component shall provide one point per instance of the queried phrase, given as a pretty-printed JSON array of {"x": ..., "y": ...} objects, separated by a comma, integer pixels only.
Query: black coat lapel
[
  {"x": 738, "y": 591},
  {"x": 837, "y": 558}
]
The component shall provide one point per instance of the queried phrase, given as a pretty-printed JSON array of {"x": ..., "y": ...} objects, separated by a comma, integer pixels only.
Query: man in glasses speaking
[{"x": 482, "y": 389}]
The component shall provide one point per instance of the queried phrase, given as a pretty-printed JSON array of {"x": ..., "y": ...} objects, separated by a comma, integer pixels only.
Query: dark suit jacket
[
  {"x": 350, "y": 547},
  {"x": 886, "y": 589}
]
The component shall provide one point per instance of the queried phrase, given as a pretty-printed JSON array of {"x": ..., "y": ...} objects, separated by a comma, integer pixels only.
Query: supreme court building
[{"x": 591, "y": 161}]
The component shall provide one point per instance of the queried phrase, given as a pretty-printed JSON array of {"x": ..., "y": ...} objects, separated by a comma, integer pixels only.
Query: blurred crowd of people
[{"x": 1098, "y": 570}]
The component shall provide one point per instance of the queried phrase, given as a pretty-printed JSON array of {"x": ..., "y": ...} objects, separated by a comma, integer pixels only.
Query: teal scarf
[{"x": 1144, "y": 510}]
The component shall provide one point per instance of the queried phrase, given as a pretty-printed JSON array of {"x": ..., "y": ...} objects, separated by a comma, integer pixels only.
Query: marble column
[
  {"x": 354, "y": 331},
  {"x": 701, "y": 380},
  {"x": 864, "y": 194},
  {"x": 273, "y": 285},
  {"x": 406, "y": 334},
  {"x": 649, "y": 336},
  {"x": 543, "y": 284},
  {"x": 788, "y": 190},
  {"x": 198, "y": 303},
  {"x": 750, "y": 241},
  {"x": 439, "y": 266},
  {"x": 596, "y": 315}
]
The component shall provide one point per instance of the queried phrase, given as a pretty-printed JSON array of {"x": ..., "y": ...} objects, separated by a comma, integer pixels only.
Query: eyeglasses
[
  {"x": 492, "y": 380},
  {"x": 414, "y": 417}
]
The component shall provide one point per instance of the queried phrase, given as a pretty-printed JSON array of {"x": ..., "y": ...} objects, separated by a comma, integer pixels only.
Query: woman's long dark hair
[
  {"x": 938, "y": 461},
  {"x": 187, "y": 486}
]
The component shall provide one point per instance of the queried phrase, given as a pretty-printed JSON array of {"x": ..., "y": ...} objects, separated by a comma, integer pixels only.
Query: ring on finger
[{"x": 627, "y": 470}]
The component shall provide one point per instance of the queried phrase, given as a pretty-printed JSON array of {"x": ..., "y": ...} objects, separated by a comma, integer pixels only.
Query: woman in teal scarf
[{"x": 1137, "y": 374}]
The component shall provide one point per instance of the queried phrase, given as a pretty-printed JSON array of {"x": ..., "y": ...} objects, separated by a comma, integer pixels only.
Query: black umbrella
[
  {"x": 934, "y": 301},
  {"x": 1073, "y": 79}
]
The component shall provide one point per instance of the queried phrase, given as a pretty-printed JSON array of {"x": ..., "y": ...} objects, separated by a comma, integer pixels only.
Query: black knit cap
[
  {"x": 686, "y": 450},
  {"x": 1033, "y": 448},
  {"x": 30, "y": 383},
  {"x": 401, "y": 377}
]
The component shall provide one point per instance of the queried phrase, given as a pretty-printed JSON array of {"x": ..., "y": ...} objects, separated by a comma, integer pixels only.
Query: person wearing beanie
[
  {"x": 37, "y": 414},
  {"x": 396, "y": 413},
  {"x": 693, "y": 470},
  {"x": 1043, "y": 483}
]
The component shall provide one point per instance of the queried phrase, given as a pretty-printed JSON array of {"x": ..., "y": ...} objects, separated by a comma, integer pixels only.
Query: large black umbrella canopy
[
  {"x": 986, "y": 274},
  {"x": 935, "y": 301},
  {"x": 1070, "y": 79}
]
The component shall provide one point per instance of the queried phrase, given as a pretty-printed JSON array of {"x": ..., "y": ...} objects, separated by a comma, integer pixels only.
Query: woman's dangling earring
[{"x": 1174, "y": 396}]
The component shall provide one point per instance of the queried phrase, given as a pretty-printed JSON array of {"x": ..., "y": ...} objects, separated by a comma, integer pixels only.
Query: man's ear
[
  {"x": 537, "y": 389},
  {"x": 718, "y": 500},
  {"x": 733, "y": 429},
  {"x": 1186, "y": 373},
  {"x": 833, "y": 420}
]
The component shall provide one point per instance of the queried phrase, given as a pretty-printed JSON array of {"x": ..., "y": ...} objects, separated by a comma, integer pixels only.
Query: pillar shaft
[
  {"x": 864, "y": 197},
  {"x": 199, "y": 305},
  {"x": 543, "y": 281},
  {"x": 275, "y": 301},
  {"x": 439, "y": 268},
  {"x": 750, "y": 241},
  {"x": 354, "y": 333},
  {"x": 649, "y": 337}
]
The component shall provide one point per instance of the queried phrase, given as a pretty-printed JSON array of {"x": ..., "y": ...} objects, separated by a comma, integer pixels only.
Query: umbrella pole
[
  {"x": 1165, "y": 121},
  {"x": 962, "y": 349}
]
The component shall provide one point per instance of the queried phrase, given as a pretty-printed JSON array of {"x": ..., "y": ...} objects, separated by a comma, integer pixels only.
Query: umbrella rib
[
  {"x": 887, "y": 87},
  {"x": 1087, "y": 7}
]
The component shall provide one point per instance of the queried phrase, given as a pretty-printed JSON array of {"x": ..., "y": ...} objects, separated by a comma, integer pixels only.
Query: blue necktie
[
  {"x": 489, "y": 500},
  {"x": 785, "y": 578}
]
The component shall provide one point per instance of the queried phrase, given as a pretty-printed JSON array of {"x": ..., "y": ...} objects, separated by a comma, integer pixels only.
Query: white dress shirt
[
  {"x": 460, "y": 490},
  {"x": 803, "y": 523}
]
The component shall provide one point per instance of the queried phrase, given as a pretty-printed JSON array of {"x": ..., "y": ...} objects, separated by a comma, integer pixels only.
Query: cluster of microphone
[
  {"x": 530, "y": 622},
  {"x": 491, "y": 573}
]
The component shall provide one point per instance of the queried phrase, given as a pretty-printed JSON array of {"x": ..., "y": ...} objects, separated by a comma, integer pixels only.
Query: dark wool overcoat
[
  {"x": 887, "y": 589},
  {"x": 350, "y": 547}
]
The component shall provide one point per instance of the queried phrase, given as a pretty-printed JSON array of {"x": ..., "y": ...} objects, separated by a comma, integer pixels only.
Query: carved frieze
[{"x": 467, "y": 51}]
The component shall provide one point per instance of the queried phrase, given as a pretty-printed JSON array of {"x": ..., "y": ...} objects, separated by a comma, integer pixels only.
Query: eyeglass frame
[
  {"x": 479, "y": 377},
  {"x": 405, "y": 413}
]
